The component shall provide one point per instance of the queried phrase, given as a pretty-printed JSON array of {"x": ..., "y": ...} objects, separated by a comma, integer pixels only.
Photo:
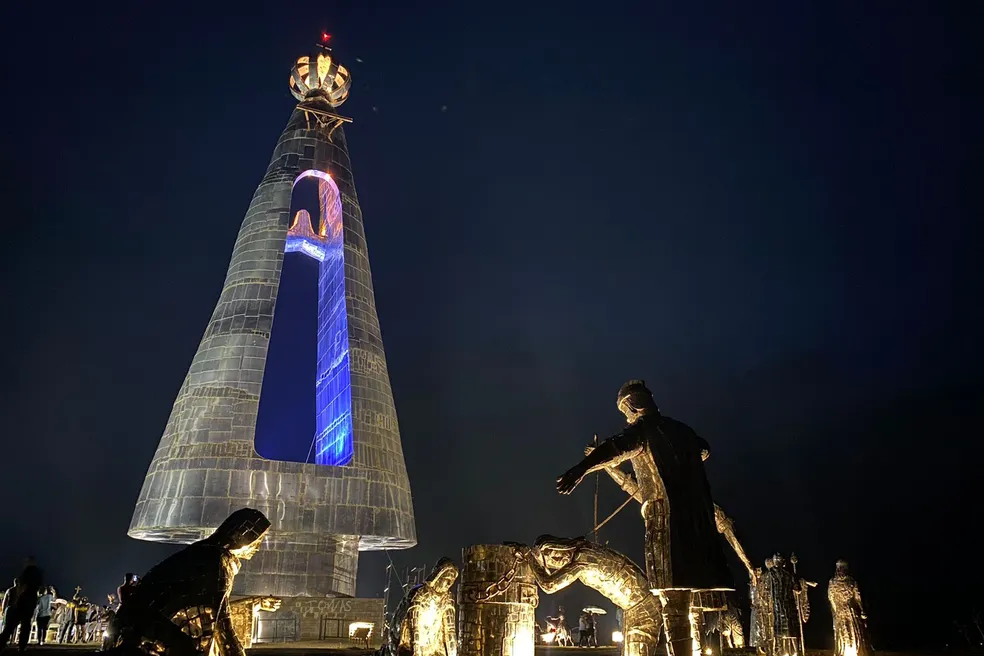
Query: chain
[{"x": 497, "y": 588}]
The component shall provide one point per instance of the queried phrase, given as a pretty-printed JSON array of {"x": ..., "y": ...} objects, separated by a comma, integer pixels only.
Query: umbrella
[{"x": 594, "y": 610}]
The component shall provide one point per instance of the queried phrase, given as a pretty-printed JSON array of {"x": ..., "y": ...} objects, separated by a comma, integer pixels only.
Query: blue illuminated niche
[{"x": 333, "y": 443}]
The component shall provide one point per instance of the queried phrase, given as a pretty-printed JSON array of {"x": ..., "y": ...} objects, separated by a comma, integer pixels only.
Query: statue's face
[
  {"x": 555, "y": 557},
  {"x": 248, "y": 551},
  {"x": 632, "y": 415},
  {"x": 768, "y": 563},
  {"x": 445, "y": 578}
]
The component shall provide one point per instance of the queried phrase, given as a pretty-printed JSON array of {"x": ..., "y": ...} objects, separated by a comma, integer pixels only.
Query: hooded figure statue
[
  {"x": 182, "y": 604},
  {"x": 424, "y": 623}
]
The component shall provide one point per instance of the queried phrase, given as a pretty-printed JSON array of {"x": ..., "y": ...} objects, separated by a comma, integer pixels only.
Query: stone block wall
[
  {"x": 328, "y": 619},
  {"x": 502, "y": 625}
]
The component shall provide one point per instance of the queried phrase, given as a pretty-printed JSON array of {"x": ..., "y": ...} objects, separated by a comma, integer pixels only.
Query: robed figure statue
[
  {"x": 683, "y": 552},
  {"x": 850, "y": 622},
  {"x": 181, "y": 606}
]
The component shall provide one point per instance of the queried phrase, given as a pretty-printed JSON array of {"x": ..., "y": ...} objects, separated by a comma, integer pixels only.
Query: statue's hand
[
  {"x": 270, "y": 604},
  {"x": 704, "y": 455},
  {"x": 570, "y": 480},
  {"x": 588, "y": 449},
  {"x": 519, "y": 550}
]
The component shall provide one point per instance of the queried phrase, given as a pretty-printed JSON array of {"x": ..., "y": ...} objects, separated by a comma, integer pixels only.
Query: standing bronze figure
[
  {"x": 850, "y": 621},
  {"x": 181, "y": 607},
  {"x": 425, "y": 623},
  {"x": 683, "y": 554},
  {"x": 780, "y": 590}
]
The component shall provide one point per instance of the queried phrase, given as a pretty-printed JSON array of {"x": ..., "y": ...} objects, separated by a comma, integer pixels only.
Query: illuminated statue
[
  {"x": 753, "y": 621},
  {"x": 558, "y": 562},
  {"x": 850, "y": 626},
  {"x": 802, "y": 602},
  {"x": 181, "y": 607},
  {"x": 728, "y": 624},
  {"x": 780, "y": 590},
  {"x": 763, "y": 609},
  {"x": 244, "y": 611},
  {"x": 682, "y": 551},
  {"x": 425, "y": 622}
]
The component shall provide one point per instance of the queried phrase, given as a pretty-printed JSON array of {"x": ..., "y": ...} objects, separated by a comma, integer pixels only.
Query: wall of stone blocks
[
  {"x": 310, "y": 613},
  {"x": 503, "y": 625}
]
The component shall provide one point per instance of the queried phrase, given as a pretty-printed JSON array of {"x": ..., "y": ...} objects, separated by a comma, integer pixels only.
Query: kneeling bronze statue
[{"x": 181, "y": 607}]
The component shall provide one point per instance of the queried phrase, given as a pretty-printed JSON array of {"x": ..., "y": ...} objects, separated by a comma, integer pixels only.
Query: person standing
[
  {"x": 66, "y": 620},
  {"x": 8, "y": 603},
  {"x": 81, "y": 617},
  {"x": 44, "y": 613},
  {"x": 23, "y": 606},
  {"x": 125, "y": 590}
]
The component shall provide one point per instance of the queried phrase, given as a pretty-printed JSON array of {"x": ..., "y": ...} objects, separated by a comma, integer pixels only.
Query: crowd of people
[{"x": 35, "y": 613}]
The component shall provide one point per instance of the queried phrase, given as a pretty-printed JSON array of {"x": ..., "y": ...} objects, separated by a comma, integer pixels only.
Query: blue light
[{"x": 333, "y": 440}]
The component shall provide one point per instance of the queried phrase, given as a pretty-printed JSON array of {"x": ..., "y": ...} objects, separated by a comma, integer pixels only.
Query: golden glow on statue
[
  {"x": 427, "y": 622},
  {"x": 558, "y": 562},
  {"x": 522, "y": 642},
  {"x": 850, "y": 621}
]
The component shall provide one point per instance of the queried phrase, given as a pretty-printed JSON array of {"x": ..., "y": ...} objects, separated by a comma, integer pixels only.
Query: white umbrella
[{"x": 594, "y": 610}]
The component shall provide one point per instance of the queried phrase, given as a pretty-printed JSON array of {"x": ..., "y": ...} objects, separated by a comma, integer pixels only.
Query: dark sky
[{"x": 763, "y": 209}]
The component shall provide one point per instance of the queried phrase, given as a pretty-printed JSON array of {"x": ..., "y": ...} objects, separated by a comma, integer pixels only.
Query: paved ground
[{"x": 315, "y": 649}]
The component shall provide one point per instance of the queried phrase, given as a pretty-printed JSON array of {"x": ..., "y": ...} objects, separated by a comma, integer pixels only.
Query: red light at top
[{"x": 325, "y": 37}]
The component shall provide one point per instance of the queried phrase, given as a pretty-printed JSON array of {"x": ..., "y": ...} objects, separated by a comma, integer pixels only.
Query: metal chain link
[{"x": 497, "y": 588}]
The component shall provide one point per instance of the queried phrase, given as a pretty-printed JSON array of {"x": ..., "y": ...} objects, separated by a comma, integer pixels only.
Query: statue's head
[
  {"x": 841, "y": 567},
  {"x": 635, "y": 400},
  {"x": 769, "y": 563},
  {"x": 758, "y": 572},
  {"x": 556, "y": 552},
  {"x": 443, "y": 576},
  {"x": 242, "y": 533},
  {"x": 778, "y": 561}
]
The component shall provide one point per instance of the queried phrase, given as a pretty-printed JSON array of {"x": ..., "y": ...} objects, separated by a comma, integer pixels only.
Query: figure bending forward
[
  {"x": 558, "y": 562},
  {"x": 181, "y": 607}
]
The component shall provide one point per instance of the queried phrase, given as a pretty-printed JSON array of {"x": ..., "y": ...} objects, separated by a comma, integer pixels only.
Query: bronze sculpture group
[{"x": 182, "y": 606}]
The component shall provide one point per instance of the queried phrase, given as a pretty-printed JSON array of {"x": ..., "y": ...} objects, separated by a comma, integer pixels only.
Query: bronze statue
[
  {"x": 425, "y": 623},
  {"x": 558, "y": 562},
  {"x": 763, "y": 609},
  {"x": 780, "y": 590},
  {"x": 850, "y": 621},
  {"x": 682, "y": 550},
  {"x": 728, "y": 623},
  {"x": 181, "y": 607},
  {"x": 753, "y": 615}
]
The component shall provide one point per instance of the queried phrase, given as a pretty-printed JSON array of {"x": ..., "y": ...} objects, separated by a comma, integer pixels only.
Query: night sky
[{"x": 763, "y": 209}]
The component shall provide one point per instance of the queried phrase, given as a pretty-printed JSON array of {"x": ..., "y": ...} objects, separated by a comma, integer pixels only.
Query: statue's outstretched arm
[
  {"x": 726, "y": 527},
  {"x": 625, "y": 480},
  {"x": 551, "y": 583},
  {"x": 612, "y": 452}
]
